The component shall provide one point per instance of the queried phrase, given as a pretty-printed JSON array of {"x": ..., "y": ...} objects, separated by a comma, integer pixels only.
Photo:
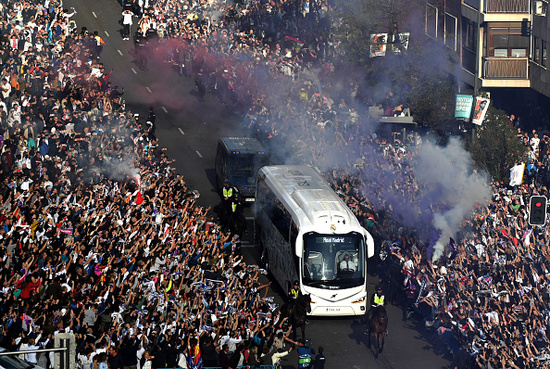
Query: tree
[
  {"x": 417, "y": 76},
  {"x": 495, "y": 146},
  {"x": 431, "y": 99},
  {"x": 361, "y": 18}
]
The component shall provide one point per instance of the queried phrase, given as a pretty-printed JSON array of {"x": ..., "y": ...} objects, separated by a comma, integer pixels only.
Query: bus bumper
[{"x": 357, "y": 309}]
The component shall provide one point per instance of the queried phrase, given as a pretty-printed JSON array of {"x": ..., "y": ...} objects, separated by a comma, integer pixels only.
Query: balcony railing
[
  {"x": 506, "y": 6},
  {"x": 506, "y": 68}
]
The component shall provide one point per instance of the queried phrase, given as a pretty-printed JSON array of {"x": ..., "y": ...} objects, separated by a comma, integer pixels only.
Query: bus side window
[
  {"x": 293, "y": 234},
  {"x": 281, "y": 221},
  {"x": 278, "y": 216}
]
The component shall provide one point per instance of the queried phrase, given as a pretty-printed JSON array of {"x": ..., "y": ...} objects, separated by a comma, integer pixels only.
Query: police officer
[
  {"x": 201, "y": 85},
  {"x": 151, "y": 34},
  {"x": 227, "y": 191},
  {"x": 151, "y": 122},
  {"x": 237, "y": 222},
  {"x": 320, "y": 359},
  {"x": 295, "y": 291},
  {"x": 304, "y": 354},
  {"x": 378, "y": 298},
  {"x": 141, "y": 49},
  {"x": 99, "y": 43},
  {"x": 225, "y": 207}
]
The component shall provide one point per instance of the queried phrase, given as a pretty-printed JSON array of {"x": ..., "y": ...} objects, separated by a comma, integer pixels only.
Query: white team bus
[{"x": 305, "y": 232}]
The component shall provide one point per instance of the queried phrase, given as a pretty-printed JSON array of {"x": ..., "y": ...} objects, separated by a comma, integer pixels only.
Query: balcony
[
  {"x": 507, "y": 6},
  {"x": 496, "y": 10},
  {"x": 505, "y": 72}
]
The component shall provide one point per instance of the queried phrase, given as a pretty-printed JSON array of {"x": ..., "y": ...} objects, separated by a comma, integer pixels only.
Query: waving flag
[{"x": 296, "y": 43}]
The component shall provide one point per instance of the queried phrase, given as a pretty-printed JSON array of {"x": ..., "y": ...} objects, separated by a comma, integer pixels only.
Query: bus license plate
[
  {"x": 333, "y": 310},
  {"x": 249, "y": 199}
]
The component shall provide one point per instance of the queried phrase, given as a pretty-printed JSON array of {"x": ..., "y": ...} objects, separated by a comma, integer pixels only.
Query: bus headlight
[{"x": 360, "y": 300}]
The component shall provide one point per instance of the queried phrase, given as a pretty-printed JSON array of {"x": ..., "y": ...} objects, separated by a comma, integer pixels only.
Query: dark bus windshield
[
  {"x": 243, "y": 168},
  {"x": 333, "y": 261}
]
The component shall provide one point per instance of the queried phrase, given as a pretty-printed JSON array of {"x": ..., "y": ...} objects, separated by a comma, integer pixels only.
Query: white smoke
[
  {"x": 449, "y": 174},
  {"x": 121, "y": 169},
  {"x": 311, "y": 75}
]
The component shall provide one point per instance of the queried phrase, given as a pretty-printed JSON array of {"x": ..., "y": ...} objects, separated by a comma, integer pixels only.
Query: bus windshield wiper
[{"x": 316, "y": 283}]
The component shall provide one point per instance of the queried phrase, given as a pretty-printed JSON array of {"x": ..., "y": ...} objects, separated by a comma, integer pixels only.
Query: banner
[
  {"x": 463, "y": 106},
  {"x": 378, "y": 43},
  {"x": 401, "y": 42},
  {"x": 482, "y": 104},
  {"x": 295, "y": 42},
  {"x": 516, "y": 174}
]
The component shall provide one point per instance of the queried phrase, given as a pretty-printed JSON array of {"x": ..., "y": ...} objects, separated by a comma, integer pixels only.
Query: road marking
[
  {"x": 198, "y": 153},
  {"x": 133, "y": 70},
  {"x": 181, "y": 131},
  {"x": 163, "y": 108},
  {"x": 148, "y": 89},
  {"x": 107, "y": 33},
  {"x": 95, "y": 16},
  {"x": 120, "y": 52}
]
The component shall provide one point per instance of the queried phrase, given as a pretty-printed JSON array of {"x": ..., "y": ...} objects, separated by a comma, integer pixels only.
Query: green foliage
[
  {"x": 432, "y": 99},
  {"x": 495, "y": 146},
  {"x": 354, "y": 32},
  {"x": 362, "y": 18},
  {"x": 417, "y": 76}
]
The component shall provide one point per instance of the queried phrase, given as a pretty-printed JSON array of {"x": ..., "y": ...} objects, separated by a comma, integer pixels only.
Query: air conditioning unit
[{"x": 540, "y": 8}]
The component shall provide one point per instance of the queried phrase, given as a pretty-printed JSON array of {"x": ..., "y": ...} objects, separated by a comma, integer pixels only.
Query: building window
[
  {"x": 541, "y": 7},
  {"x": 431, "y": 20},
  {"x": 507, "y": 42},
  {"x": 469, "y": 34},
  {"x": 543, "y": 61},
  {"x": 537, "y": 42},
  {"x": 450, "y": 31},
  {"x": 469, "y": 44}
]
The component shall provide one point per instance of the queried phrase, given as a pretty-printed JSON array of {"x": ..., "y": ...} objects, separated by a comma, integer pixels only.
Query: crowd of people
[
  {"x": 235, "y": 48},
  {"x": 487, "y": 297},
  {"x": 101, "y": 237}
]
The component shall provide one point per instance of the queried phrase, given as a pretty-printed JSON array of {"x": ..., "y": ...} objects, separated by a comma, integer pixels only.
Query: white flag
[{"x": 516, "y": 174}]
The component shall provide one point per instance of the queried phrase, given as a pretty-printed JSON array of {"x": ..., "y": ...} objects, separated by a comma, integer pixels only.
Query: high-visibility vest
[
  {"x": 294, "y": 293},
  {"x": 227, "y": 192},
  {"x": 379, "y": 300},
  {"x": 234, "y": 207}
]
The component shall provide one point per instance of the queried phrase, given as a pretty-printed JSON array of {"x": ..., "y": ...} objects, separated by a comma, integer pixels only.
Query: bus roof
[
  {"x": 242, "y": 145},
  {"x": 309, "y": 197}
]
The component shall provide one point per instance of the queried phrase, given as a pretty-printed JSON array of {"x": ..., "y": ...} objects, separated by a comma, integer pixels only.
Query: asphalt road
[{"x": 189, "y": 129}]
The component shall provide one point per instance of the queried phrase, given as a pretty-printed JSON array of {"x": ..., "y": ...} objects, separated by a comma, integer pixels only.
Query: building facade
[{"x": 510, "y": 48}]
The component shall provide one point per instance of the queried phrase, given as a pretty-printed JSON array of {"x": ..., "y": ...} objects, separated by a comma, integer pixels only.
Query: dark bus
[{"x": 237, "y": 161}]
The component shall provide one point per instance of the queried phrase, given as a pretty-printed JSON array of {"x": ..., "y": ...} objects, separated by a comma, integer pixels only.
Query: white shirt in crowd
[{"x": 127, "y": 17}]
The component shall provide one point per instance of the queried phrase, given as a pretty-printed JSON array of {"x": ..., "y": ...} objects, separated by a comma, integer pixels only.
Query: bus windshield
[{"x": 333, "y": 261}]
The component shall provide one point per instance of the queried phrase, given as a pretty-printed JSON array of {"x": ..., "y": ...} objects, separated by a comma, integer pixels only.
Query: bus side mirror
[{"x": 370, "y": 246}]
